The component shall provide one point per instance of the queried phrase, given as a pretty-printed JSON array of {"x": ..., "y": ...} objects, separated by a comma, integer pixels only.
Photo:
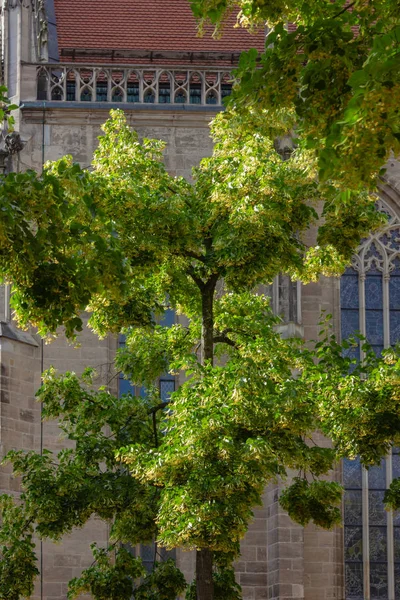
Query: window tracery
[
  {"x": 370, "y": 304},
  {"x": 152, "y": 85}
]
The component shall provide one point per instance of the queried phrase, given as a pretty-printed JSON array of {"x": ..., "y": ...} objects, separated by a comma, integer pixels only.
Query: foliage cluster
[
  {"x": 126, "y": 240},
  {"x": 333, "y": 78},
  {"x": 120, "y": 238},
  {"x": 191, "y": 476}
]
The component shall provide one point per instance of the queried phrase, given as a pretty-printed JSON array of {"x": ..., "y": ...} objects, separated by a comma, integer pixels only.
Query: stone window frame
[
  {"x": 369, "y": 489},
  {"x": 379, "y": 256}
]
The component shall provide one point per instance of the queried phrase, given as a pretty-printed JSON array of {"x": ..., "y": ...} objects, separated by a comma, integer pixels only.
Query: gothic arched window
[{"x": 370, "y": 304}]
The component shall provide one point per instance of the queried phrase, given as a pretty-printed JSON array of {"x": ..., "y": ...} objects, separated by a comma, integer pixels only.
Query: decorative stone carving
[
  {"x": 13, "y": 143},
  {"x": 10, "y": 143},
  {"x": 42, "y": 29},
  {"x": 149, "y": 85},
  {"x": 41, "y": 23},
  {"x": 284, "y": 146},
  {"x": 382, "y": 248},
  {"x": 12, "y": 4}
]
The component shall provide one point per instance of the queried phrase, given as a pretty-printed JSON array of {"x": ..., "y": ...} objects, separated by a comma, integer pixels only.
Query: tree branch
[
  {"x": 155, "y": 430},
  {"x": 344, "y": 10},
  {"x": 230, "y": 330},
  {"x": 198, "y": 281},
  {"x": 212, "y": 280},
  {"x": 191, "y": 254},
  {"x": 151, "y": 411},
  {"x": 223, "y": 339}
]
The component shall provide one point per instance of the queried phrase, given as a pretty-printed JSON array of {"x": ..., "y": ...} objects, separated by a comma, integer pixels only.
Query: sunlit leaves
[
  {"x": 57, "y": 247},
  {"x": 334, "y": 77},
  {"x": 360, "y": 413},
  {"x": 127, "y": 240},
  {"x": 149, "y": 352},
  {"x": 120, "y": 239}
]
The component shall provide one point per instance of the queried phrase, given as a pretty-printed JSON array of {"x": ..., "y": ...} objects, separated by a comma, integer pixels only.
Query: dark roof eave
[
  {"x": 152, "y": 55},
  {"x": 125, "y": 106}
]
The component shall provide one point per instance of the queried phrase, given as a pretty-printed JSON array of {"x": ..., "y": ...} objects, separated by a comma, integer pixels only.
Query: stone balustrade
[{"x": 143, "y": 84}]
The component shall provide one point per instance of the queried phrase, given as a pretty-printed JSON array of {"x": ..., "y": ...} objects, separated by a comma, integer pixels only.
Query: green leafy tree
[
  {"x": 335, "y": 80},
  {"x": 126, "y": 240},
  {"x": 6, "y": 109}
]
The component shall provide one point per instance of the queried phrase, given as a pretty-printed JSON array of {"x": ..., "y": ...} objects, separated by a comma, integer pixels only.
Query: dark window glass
[
  {"x": 378, "y": 581},
  {"x": 354, "y": 581},
  {"x": 226, "y": 90},
  {"x": 101, "y": 91},
  {"x": 117, "y": 95},
  {"x": 195, "y": 93},
  {"x": 376, "y": 256},
  {"x": 42, "y": 86},
  {"x": 167, "y": 386},
  {"x": 353, "y": 529},
  {"x": 71, "y": 91},
  {"x": 149, "y": 97},
  {"x": 180, "y": 97},
  {"x": 56, "y": 94},
  {"x": 352, "y": 477},
  {"x": 147, "y": 554},
  {"x": 164, "y": 93},
  {"x": 377, "y": 476},
  {"x": 86, "y": 95},
  {"x": 353, "y": 508},
  {"x": 132, "y": 92},
  {"x": 212, "y": 98}
]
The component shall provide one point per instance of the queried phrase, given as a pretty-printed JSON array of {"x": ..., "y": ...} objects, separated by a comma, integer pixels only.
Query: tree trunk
[
  {"x": 204, "y": 580},
  {"x": 207, "y": 323},
  {"x": 204, "y": 558}
]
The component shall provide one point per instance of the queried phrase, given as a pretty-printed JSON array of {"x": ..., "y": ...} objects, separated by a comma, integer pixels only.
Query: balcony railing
[{"x": 142, "y": 85}]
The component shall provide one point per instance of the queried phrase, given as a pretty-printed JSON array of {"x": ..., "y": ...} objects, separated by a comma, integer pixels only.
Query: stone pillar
[
  {"x": 323, "y": 564},
  {"x": 17, "y": 44},
  {"x": 285, "y": 562},
  {"x": 20, "y": 413},
  {"x": 324, "y": 552},
  {"x": 251, "y": 568},
  {"x": 65, "y": 560},
  {"x": 20, "y": 357}
]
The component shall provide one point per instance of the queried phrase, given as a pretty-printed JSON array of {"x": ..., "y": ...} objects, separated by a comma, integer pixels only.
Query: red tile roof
[{"x": 149, "y": 25}]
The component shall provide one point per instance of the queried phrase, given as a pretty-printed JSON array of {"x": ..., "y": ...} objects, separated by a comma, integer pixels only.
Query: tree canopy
[
  {"x": 126, "y": 240},
  {"x": 332, "y": 78},
  {"x": 120, "y": 237}
]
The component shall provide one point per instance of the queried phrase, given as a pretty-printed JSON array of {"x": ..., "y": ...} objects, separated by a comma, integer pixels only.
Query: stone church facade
[{"x": 66, "y": 63}]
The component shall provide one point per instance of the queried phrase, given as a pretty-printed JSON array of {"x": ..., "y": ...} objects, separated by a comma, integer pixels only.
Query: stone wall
[
  {"x": 252, "y": 566},
  {"x": 49, "y": 134},
  {"x": 61, "y": 562},
  {"x": 20, "y": 358}
]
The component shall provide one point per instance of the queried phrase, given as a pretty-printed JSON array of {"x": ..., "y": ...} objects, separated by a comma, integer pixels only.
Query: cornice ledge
[{"x": 9, "y": 331}]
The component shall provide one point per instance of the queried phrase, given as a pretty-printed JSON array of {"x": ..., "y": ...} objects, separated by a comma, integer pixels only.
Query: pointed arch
[{"x": 370, "y": 303}]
